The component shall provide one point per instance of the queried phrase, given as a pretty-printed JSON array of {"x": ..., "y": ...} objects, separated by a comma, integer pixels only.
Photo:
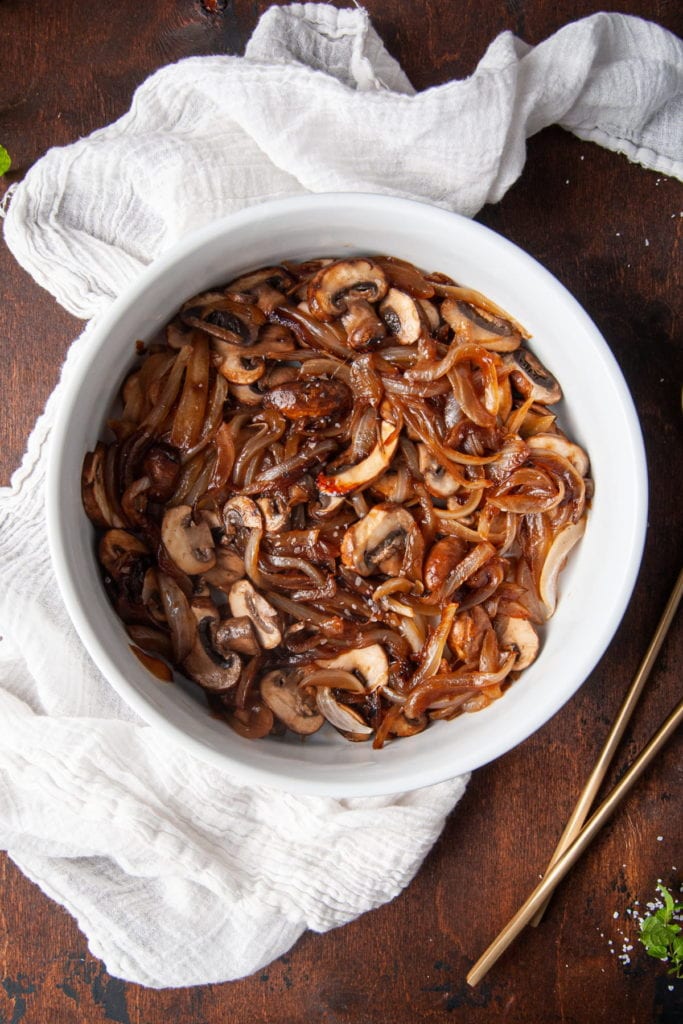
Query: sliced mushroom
[
  {"x": 245, "y": 600},
  {"x": 369, "y": 664},
  {"x": 403, "y": 315},
  {"x": 561, "y": 446},
  {"x": 339, "y": 283},
  {"x": 367, "y": 469},
  {"x": 190, "y": 545},
  {"x": 228, "y": 569},
  {"x": 437, "y": 480},
  {"x": 309, "y": 399},
  {"x": 276, "y": 514},
  {"x": 253, "y": 721},
  {"x": 224, "y": 318},
  {"x": 472, "y": 324},
  {"x": 118, "y": 548},
  {"x": 268, "y": 286},
  {"x": 288, "y": 702},
  {"x": 235, "y": 634},
  {"x": 348, "y": 721},
  {"x": 377, "y": 542},
  {"x": 238, "y": 369},
  {"x": 362, "y": 325},
  {"x": 241, "y": 513},
  {"x": 519, "y": 636},
  {"x": 206, "y": 666},
  {"x": 531, "y": 378}
]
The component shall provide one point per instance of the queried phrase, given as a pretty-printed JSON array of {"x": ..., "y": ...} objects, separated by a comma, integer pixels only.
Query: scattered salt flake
[
  {"x": 567, "y": 181},
  {"x": 615, "y": 915},
  {"x": 670, "y": 988},
  {"x": 582, "y": 158},
  {"x": 647, "y": 241},
  {"x": 618, "y": 234},
  {"x": 660, "y": 839}
]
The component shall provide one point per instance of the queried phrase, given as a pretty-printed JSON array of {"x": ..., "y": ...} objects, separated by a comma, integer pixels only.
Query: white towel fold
[{"x": 177, "y": 874}]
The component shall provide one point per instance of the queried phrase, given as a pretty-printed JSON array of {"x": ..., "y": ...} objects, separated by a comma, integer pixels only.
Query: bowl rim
[{"x": 183, "y": 248}]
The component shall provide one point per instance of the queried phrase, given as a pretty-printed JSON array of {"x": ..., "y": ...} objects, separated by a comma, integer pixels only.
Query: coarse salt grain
[
  {"x": 615, "y": 915},
  {"x": 660, "y": 839}
]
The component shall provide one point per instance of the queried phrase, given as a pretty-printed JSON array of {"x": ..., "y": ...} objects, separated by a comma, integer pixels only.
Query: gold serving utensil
[{"x": 577, "y": 838}]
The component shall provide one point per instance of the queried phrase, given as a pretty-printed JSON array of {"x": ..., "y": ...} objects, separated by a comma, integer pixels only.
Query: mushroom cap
[
  {"x": 330, "y": 290},
  {"x": 376, "y": 543},
  {"x": 241, "y": 512},
  {"x": 520, "y": 635},
  {"x": 369, "y": 663},
  {"x": 288, "y": 703},
  {"x": 190, "y": 545},
  {"x": 223, "y": 317},
  {"x": 531, "y": 378},
  {"x": 485, "y": 328},
  {"x": 403, "y": 316},
  {"x": 245, "y": 600},
  {"x": 207, "y": 667},
  {"x": 235, "y": 634},
  {"x": 362, "y": 325},
  {"x": 117, "y": 548},
  {"x": 437, "y": 480}
]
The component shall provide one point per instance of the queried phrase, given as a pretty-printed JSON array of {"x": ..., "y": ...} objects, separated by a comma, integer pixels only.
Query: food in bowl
[{"x": 337, "y": 493}]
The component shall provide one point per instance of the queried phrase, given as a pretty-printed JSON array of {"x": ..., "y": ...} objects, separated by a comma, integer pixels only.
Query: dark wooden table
[{"x": 611, "y": 232}]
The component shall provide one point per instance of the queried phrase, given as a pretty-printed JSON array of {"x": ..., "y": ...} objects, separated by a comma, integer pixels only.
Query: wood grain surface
[{"x": 611, "y": 232}]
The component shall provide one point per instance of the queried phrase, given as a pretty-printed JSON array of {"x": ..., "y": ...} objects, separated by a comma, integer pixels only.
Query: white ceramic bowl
[{"x": 597, "y": 411}]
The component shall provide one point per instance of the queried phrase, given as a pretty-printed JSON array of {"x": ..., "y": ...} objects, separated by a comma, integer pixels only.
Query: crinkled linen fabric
[{"x": 177, "y": 873}]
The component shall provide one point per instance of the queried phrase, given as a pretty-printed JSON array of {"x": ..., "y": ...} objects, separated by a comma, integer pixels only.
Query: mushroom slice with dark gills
[
  {"x": 269, "y": 287},
  {"x": 404, "y": 316},
  {"x": 472, "y": 324},
  {"x": 377, "y": 543},
  {"x": 125, "y": 561},
  {"x": 369, "y": 664},
  {"x": 190, "y": 545},
  {"x": 531, "y": 378},
  {"x": 210, "y": 668},
  {"x": 438, "y": 481},
  {"x": 245, "y": 600},
  {"x": 288, "y": 702},
  {"x": 224, "y": 317},
  {"x": 337, "y": 285},
  {"x": 520, "y": 636},
  {"x": 235, "y": 634},
  {"x": 118, "y": 549},
  {"x": 237, "y": 368}
]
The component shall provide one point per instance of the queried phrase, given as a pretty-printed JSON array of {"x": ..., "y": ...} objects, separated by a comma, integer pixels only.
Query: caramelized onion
[{"x": 370, "y": 502}]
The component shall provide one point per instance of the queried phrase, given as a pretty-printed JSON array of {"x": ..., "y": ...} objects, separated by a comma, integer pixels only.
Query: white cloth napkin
[{"x": 177, "y": 874}]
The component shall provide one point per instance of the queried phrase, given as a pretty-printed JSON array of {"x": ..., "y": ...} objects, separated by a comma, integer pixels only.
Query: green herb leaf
[
  {"x": 661, "y": 935},
  {"x": 5, "y": 161}
]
